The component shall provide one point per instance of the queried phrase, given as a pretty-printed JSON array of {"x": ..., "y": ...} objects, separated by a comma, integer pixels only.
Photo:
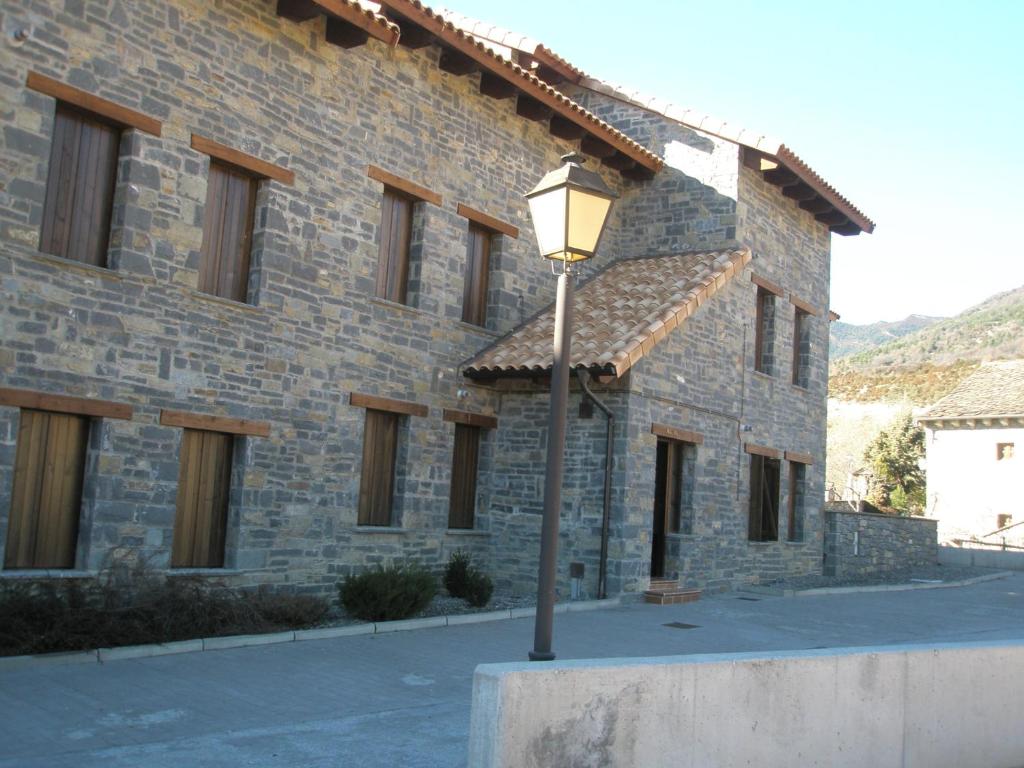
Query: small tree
[{"x": 894, "y": 457}]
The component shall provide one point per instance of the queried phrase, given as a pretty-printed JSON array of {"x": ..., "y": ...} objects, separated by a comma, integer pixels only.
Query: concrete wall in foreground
[{"x": 950, "y": 705}]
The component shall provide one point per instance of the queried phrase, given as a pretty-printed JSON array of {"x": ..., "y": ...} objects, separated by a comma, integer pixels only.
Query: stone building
[
  {"x": 271, "y": 307},
  {"x": 973, "y": 442}
]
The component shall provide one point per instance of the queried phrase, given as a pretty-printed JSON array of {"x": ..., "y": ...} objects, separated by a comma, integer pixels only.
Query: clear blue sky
[{"x": 912, "y": 110}]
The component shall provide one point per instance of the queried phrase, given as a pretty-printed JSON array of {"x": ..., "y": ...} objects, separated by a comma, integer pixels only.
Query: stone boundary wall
[
  {"x": 982, "y": 558},
  {"x": 929, "y": 706},
  {"x": 861, "y": 543}
]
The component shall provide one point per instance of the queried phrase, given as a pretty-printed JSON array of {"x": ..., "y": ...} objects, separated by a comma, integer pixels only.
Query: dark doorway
[
  {"x": 666, "y": 501},
  {"x": 764, "y": 499}
]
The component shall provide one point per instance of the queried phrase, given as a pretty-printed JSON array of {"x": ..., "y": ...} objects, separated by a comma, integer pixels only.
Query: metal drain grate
[
  {"x": 751, "y": 599},
  {"x": 680, "y": 625}
]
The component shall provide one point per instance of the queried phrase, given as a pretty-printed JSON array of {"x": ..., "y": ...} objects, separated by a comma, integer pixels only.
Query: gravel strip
[{"x": 935, "y": 573}]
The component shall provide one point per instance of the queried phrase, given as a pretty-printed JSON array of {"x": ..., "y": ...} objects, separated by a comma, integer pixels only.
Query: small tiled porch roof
[
  {"x": 619, "y": 315},
  {"x": 994, "y": 391}
]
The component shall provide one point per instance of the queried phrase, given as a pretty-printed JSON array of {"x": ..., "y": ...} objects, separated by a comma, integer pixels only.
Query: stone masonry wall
[
  {"x": 858, "y": 543},
  {"x": 140, "y": 333}
]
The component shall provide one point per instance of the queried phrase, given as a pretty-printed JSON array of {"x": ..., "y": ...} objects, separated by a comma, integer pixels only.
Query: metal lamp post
[{"x": 569, "y": 208}]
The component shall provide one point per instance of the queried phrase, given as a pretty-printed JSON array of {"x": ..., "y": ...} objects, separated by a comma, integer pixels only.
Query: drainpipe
[{"x": 602, "y": 576}]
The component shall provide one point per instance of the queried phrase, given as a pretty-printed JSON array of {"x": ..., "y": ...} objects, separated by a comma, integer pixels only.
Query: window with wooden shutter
[
  {"x": 465, "y": 462},
  {"x": 49, "y": 466},
  {"x": 801, "y": 347},
  {"x": 227, "y": 232},
  {"x": 395, "y": 238},
  {"x": 764, "y": 499},
  {"x": 764, "y": 332},
  {"x": 204, "y": 485},
  {"x": 79, "y": 187},
  {"x": 377, "y": 484},
  {"x": 797, "y": 497},
  {"x": 478, "y": 266}
]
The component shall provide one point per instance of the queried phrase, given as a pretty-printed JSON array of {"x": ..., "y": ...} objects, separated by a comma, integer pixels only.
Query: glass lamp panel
[
  {"x": 587, "y": 213},
  {"x": 548, "y": 213}
]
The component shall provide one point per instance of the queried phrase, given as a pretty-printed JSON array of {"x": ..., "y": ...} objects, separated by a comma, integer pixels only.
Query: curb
[
  {"x": 774, "y": 592},
  {"x": 199, "y": 645}
]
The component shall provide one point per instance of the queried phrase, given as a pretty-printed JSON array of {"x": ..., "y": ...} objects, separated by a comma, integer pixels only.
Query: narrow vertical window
[
  {"x": 478, "y": 264},
  {"x": 801, "y": 348},
  {"x": 377, "y": 484},
  {"x": 79, "y": 187},
  {"x": 676, "y": 471},
  {"x": 764, "y": 332},
  {"x": 764, "y": 499},
  {"x": 204, "y": 484},
  {"x": 395, "y": 238},
  {"x": 1004, "y": 451},
  {"x": 49, "y": 466},
  {"x": 227, "y": 232},
  {"x": 465, "y": 461},
  {"x": 797, "y": 497}
]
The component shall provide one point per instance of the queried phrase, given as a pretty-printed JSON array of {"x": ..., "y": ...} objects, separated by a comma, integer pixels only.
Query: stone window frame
[
  {"x": 472, "y": 428},
  {"x": 93, "y": 409},
  {"x": 483, "y": 240},
  {"x": 95, "y": 110},
  {"x": 398, "y": 260},
  {"x": 236, "y": 167},
  {"x": 239, "y": 431},
  {"x": 380, "y": 460}
]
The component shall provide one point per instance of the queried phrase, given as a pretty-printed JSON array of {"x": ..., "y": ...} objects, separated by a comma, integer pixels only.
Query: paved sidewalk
[{"x": 403, "y": 698}]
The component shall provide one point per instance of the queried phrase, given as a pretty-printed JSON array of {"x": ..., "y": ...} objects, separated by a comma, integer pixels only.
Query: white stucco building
[{"x": 975, "y": 441}]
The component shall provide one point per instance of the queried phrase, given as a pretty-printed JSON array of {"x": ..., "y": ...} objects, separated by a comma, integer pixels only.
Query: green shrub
[
  {"x": 387, "y": 594},
  {"x": 462, "y": 579},
  {"x": 456, "y": 573},
  {"x": 478, "y": 588},
  {"x": 130, "y": 604}
]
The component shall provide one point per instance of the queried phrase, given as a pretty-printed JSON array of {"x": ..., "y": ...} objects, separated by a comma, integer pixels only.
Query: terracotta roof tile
[
  {"x": 994, "y": 390},
  {"x": 619, "y": 315}
]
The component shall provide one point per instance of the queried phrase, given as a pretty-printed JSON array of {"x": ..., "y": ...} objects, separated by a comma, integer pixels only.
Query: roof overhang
[{"x": 998, "y": 421}]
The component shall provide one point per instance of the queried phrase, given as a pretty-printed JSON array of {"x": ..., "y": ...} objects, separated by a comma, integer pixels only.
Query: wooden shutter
[
  {"x": 395, "y": 236},
  {"x": 376, "y": 487},
  {"x": 478, "y": 263},
  {"x": 48, "y": 469},
  {"x": 465, "y": 460},
  {"x": 79, "y": 188},
  {"x": 227, "y": 232},
  {"x": 204, "y": 483}
]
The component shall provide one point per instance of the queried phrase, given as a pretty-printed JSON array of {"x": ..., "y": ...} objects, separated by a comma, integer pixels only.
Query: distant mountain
[
  {"x": 847, "y": 339},
  {"x": 926, "y": 364}
]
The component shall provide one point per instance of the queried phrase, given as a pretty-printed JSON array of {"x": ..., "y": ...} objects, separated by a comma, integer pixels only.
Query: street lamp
[{"x": 569, "y": 208}]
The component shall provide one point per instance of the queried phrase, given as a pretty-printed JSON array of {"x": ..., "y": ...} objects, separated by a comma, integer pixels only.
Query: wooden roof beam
[
  {"x": 638, "y": 173},
  {"x": 344, "y": 35},
  {"x": 532, "y": 109},
  {"x": 846, "y": 229},
  {"x": 593, "y": 146},
  {"x": 816, "y": 205},
  {"x": 298, "y": 10},
  {"x": 799, "y": 191},
  {"x": 832, "y": 218},
  {"x": 565, "y": 129},
  {"x": 456, "y": 63},
  {"x": 496, "y": 87},
  {"x": 780, "y": 177},
  {"x": 549, "y": 76},
  {"x": 618, "y": 161},
  {"x": 413, "y": 35}
]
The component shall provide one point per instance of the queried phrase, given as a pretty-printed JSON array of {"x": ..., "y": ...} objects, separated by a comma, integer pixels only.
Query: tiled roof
[
  {"x": 619, "y": 315},
  {"x": 738, "y": 135},
  {"x": 451, "y": 34},
  {"x": 994, "y": 390}
]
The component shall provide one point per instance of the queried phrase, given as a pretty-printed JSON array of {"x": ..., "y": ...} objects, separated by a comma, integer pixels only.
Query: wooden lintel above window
[
  {"x": 214, "y": 423},
  {"x": 115, "y": 113},
  {"x": 387, "y": 404},
  {"x": 799, "y": 458},
  {"x": 403, "y": 185},
  {"x": 81, "y": 406},
  {"x": 487, "y": 222},
  {"x": 471, "y": 419},
  {"x": 241, "y": 160},
  {"x": 806, "y": 306},
  {"x": 674, "y": 433},
  {"x": 762, "y": 450},
  {"x": 768, "y": 285}
]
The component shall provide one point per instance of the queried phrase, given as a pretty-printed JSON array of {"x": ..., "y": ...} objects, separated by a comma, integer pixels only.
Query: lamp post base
[{"x": 541, "y": 656}]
